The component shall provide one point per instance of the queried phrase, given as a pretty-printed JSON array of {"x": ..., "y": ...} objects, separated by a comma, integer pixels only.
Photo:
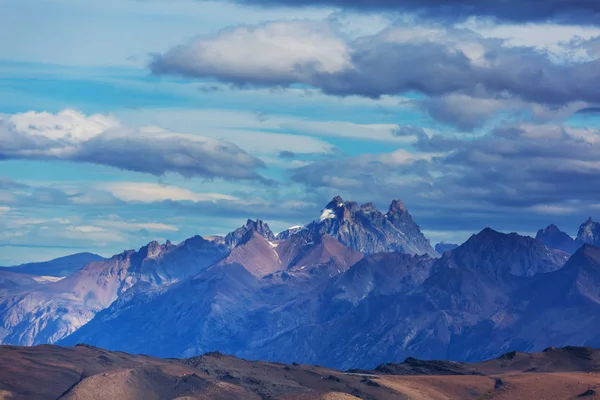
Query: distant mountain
[
  {"x": 554, "y": 238},
  {"x": 12, "y": 282},
  {"x": 50, "y": 312},
  {"x": 589, "y": 232},
  {"x": 226, "y": 305},
  {"x": 366, "y": 229},
  {"x": 499, "y": 254},
  {"x": 60, "y": 267},
  {"x": 384, "y": 307},
  {"x": 443, "y": 247},
  {"x": 310, "y": 295},
  {"x": 415, "y": 309}
]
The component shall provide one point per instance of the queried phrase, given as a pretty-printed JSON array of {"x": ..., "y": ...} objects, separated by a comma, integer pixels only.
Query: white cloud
[
  {"x": 275, "y": 52},
  {"x": 70, "y": 135},
  {"x": 4, "y": 210},
  {"x": 154, "y": 192},
  {"x": 545, "y": 37},
  {"x": 69, "y": 125},
  {"x": 552, "y": 209}
]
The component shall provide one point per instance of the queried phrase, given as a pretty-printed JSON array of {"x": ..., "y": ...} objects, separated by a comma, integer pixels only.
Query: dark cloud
[
  {"x": 382, "y": 65},
  {"x": 160, "y": 154},
  {"x": 581, "y": 11},
  {"x": 589, "y": 110},
  {"x": 464, "y": 112},
  {"x": 517, "y": 177},
  {"x": 287, "y": 154}
]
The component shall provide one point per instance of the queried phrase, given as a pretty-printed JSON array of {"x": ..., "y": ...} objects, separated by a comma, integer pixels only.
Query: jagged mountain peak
[
  {"x": 397, "y": 206},
  {"x": 589, "y": 232},
  {"x": 368, "y": 230},
  {"x": 550, "y": 229},
  {"x": 335, "y": 203},
  {"x": 553, "y": 237},
  {"x": 262, "y": 228},
  {"x": 152, "y": 250},
  {"x": 283, "y": 235}
]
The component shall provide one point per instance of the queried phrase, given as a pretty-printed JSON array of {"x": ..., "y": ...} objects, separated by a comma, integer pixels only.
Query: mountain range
[{"x": 353, "y": 288}]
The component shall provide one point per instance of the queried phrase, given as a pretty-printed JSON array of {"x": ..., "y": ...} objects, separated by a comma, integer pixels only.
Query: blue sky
[{"x": 127, "y": 121}]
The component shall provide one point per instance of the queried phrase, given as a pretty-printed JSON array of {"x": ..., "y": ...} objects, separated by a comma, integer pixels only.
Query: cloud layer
[
  {"x": 536, "y": 172},
  {"x": 97, "y": 139},
  {"x": 440, "y": 63},
  {"x": 584, "y": 11}
]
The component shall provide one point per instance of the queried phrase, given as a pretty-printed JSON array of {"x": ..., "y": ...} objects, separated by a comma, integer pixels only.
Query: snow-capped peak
[{"x": 327, "y": 214}]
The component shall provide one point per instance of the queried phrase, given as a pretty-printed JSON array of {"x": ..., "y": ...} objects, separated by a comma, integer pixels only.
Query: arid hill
[{"x": 84, "y": 372}]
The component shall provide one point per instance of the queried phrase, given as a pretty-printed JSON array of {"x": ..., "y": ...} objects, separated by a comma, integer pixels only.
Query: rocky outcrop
[
  {"x": 366, "y": 229},
  {"x": 589, "y": 232},
  {"x": 554, "y": 238},
  {"x": 260, "y": 227}
]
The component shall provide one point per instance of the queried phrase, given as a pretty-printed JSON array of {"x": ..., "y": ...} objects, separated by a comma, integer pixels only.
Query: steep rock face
[
  {"x": 367, "y": 230},
  {"x": 255, "y": 253},
  {"x": 50, "y": 312},
  {"x": 589, "y": 232},
  {"x": 284, "y": 235},
  {"x": 554, "y": 238},
  {"x": 498, "y": 254},
  {"x": 258, "y": 226},
  {"x": 60, "y": 267}
]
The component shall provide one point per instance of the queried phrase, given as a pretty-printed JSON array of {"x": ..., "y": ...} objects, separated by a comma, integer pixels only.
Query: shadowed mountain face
[
  {"x": 554, "y": 238},
  {"x": 500, "y": 255},
  {"x": 86, "y": 373}
]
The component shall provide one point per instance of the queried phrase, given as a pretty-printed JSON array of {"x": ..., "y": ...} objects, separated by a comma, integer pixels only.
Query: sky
[{"x": 126, "y": 121}]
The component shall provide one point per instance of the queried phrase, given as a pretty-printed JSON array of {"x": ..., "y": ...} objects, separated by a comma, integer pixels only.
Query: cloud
[
  {"x": 128, "y": 226},
  {"x": 583, "y": 11},
  {"x": 433, "y": 61},
  {"x": 304, "y": 136},
  {"x": 534, "y": 173},
  {"x": 153, "y": 192},
  {"x": 71, "y": 136},
  {"x": 465, "y": 112},
  {"x": 287, "y": 154},
  {"x": 277, "y": 53}
]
